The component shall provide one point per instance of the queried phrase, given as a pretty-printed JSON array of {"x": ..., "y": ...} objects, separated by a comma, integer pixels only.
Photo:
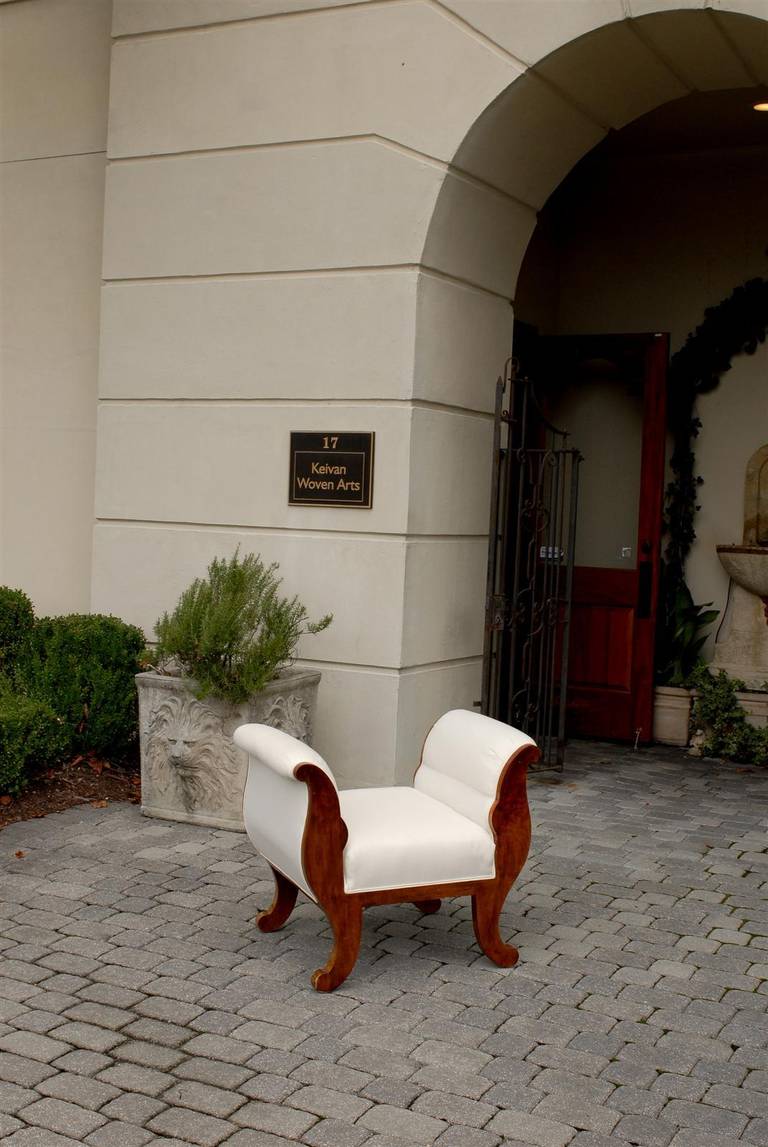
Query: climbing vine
[{"x": 735, "y": 326}]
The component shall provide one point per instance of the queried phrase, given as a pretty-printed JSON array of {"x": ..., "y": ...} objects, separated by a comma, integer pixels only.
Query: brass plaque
[{"x": 331, "y": 469}]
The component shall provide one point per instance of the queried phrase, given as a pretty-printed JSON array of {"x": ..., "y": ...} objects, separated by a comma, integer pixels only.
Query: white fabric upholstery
[
  {"x": 462, "y": 760},
  {"x": 278, "y": 750},
  {"x": 437, "y": 832},
  {"x": 399, "y": 837},
  {"x": 274, "y": 802}
]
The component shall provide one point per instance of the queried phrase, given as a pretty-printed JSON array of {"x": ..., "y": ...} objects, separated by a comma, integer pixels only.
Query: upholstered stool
[{"x": 463, "y": 829}]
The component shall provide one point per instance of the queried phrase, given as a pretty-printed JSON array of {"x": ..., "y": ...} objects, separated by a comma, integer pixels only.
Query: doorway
[{"x": 609, "y": 393}]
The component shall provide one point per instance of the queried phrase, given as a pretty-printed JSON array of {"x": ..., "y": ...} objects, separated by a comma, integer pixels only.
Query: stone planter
[
  {"x": 671, "y": 715},
  {"x": 191, "y": 770},
  {"x": 755, "y": 705}
]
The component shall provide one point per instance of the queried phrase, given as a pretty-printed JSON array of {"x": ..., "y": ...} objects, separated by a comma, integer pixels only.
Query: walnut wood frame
[{"x": 322, "y": 851}]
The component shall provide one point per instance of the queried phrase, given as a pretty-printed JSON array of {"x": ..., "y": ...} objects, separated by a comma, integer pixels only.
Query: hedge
[{"x": 30, "y": 734}]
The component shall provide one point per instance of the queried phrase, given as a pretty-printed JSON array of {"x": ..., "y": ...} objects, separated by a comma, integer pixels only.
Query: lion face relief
[{"x": 187, "y": 750}]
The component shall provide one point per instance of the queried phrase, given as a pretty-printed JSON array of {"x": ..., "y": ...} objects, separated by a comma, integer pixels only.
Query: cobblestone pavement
[{"x": 139, "y": 1004}]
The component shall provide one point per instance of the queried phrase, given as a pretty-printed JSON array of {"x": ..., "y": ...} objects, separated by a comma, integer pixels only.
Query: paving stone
[
  {"x": 131, "y": 1077},
  {"x": 332, "y": 1075},
  {"x": 636, "y": 1101},
  {"x": 394, "y": 1092},
  {"x": 14, "y": 1098},
  {"x": 117, "y": 1134},
  {"x": 334, "y": 1133},
  {"x": 442, "y": 1054},
  {"x": 757, "y": 1132},
  {"x": 63, "y": 1118},
  {"x": 220, "y": 1047},
  {"x": 552, "y": 1079},
  {"x": 697, "y": 1138},
  {"x": 383, "y": 1064},
  {"x": 644, "y": 1132},
  {"x": 253, "y": 1139},
  {"x": 112, "y": 996},
  {"x": 23, "y": 1071},
  {"x": 468, "y": 1084},
  {"x": 30, "y": 1045},
  {"x": 212, "y": 1071},
  {"x": 82, "y": 1062},
  {"x": 408, "y": 1125},
  {"x": 203, "y": 1130},
  {"x": 270, "y": 1088},
  {"x": 132, "y": 1108},
  {"x": 78, "y": 1089},
  {"x": 102, "y": 1015},
  {"x": 279, "y": 1062},
  {"x": 467, "y": 1137},
  {"x": 38, "y": 1137},
  {"x": 203, "y": 1097},
  {"x": 169, "y": 1011},
  {"x": 744, "y": 1099},
  {"x": 579, "y": 1113},
  {"x": 710, "y": 1119},
  {"x": 274, "y": 1118},
  {"x": 454, "y": 1108},
  {"x": 531, "y": 1129},
  {"x": 36, "y": 1021},
  {"x": 148, "y": 1055},
  {"x": 88, "y": 1036},
  {"x": 324, "y": 1102}
]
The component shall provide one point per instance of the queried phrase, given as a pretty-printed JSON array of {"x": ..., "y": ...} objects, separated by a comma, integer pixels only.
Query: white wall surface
[
  {"x": 320, "y": 215},
  {"x": 54, "y": 69}
]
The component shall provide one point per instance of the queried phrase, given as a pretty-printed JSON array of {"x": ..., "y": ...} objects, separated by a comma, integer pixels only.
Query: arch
[
  {"x": 636, "y": 56},
  {"x": 519, "y": 149}
]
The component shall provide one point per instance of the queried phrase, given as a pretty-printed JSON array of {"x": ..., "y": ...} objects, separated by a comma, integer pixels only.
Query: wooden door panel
[
  {"x": 599, "y": 712},
  {"x": 601, "y": 644}
]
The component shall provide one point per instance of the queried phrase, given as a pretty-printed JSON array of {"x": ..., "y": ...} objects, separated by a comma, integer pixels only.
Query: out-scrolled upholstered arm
[
  {"x": 275, "y": 802},
  {"x": 463, "y": 759},
  {"x": 463, "y": 829}
]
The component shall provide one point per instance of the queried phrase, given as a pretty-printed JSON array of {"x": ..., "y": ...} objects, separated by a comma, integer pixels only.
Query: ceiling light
[{"x": 761, "y": 107}]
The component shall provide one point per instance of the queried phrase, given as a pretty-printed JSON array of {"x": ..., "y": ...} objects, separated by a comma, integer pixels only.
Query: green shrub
[
  {"x": 16, "y": 621},
  {"x": 232, "y": 631},
  {"x": 717, "y": 712},
  {"x": 83, "y": 667},
  {"x": 30, "y": 734},
  {"x": 681, "y": 626}
]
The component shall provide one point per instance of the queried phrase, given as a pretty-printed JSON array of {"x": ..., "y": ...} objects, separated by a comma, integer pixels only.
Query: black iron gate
[{"x": 534, "y": 496}]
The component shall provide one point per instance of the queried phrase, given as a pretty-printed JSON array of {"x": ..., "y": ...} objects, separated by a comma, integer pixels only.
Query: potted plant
[
  {"x": 223, "y": 659},
  {"x": 679, "y": 644}
]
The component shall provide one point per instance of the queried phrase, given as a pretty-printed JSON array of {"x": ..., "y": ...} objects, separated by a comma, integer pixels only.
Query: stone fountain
[{"x": 742, "y": 646}]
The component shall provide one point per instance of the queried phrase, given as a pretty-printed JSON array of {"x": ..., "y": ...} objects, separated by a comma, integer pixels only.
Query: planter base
[
  {"x": 191, "y": 770},
  {"x": 671, "y": 715}
]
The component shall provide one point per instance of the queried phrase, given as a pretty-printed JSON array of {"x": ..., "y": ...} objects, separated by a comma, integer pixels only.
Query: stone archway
[{"x": 508, "y": 163}]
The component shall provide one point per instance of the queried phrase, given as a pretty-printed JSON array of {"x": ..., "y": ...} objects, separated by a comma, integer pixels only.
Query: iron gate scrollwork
[{"x": 534, "y": 498}]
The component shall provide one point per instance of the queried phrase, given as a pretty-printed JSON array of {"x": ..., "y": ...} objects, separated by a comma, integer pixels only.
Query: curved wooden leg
[
  {"x": 486, "y": 909},
  {"x": 346, "y": 919},
  {"x": 427, "y": 907},
  {"x": 281, "y": 907}
]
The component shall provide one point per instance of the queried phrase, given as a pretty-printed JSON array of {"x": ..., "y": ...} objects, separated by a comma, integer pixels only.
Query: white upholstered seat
[{"x": 400, "y": 837}]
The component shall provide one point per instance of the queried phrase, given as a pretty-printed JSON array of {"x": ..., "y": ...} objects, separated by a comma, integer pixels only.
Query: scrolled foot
[
  {"x": 486, "y": 909},
  {"x": 346, "y": 919},
  {"x": 281, "y": 907}
]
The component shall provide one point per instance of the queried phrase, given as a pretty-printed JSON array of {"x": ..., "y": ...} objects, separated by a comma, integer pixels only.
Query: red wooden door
[{"x": 620, "y": 382}]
